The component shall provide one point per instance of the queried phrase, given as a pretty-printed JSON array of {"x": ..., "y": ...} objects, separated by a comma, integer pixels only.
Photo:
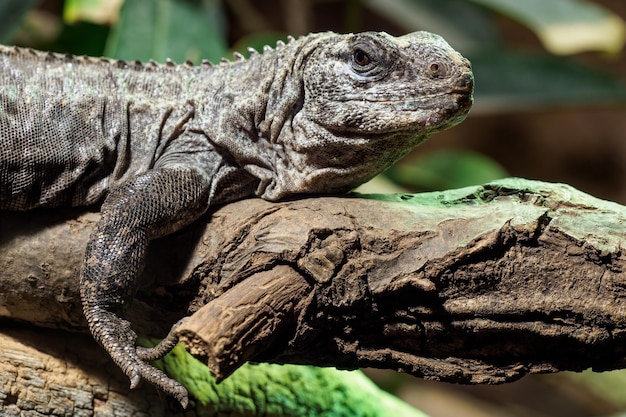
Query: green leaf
[
  {"x": 508, "y": 81},
  {"x": 11, "y": 14},
  {"x": 566, "y": 26},
  {"x": 93, "y": 11},
  {"x": 463, "y": 25},
  {"x": 161, "y": 29},
  {"x": 283, "y": 390},
  {"x": 446, "y": 169}
]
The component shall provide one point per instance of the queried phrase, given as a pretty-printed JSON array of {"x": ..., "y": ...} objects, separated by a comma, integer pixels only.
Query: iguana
[{"x": 157, "y": 145}]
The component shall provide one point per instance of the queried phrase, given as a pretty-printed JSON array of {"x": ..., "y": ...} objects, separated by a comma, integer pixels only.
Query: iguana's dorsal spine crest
[{"x": 150, "y": 65}]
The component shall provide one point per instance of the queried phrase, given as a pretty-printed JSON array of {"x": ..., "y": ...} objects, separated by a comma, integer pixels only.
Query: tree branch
[{"x": 479, "y": 285}]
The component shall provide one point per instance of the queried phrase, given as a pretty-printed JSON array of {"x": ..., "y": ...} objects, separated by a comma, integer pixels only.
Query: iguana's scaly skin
[{"x": 159, "y": 145}]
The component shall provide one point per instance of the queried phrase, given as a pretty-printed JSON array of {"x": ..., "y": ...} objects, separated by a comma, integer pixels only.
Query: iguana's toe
[
  {"x": 163, "y": 348},
  {"x": 166, "y": 384}
]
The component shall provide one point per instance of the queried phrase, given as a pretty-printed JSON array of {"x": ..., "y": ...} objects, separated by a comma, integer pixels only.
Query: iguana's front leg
[{"x": 146, "y": 207}]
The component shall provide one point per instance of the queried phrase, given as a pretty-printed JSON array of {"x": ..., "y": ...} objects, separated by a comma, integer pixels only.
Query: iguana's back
[{"x": 71, "y": 126}]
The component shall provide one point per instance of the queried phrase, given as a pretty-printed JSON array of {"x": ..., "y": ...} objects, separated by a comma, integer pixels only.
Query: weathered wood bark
[
  {"x": 55, "y": 373},
  {"x": 480, "y": 285}
]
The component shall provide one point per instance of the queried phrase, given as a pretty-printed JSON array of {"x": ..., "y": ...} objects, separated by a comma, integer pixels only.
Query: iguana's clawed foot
[{"x": 118, "y": 339}]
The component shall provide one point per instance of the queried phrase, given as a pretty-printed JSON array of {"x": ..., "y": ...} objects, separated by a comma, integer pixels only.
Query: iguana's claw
[
  {"x": 118, "y": 339},
  {"x": 166, "y": 384},
  {"x": 134, "y": 381}
]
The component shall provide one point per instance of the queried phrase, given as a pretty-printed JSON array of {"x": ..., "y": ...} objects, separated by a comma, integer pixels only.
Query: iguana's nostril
[{"x": 466, "y": 82}]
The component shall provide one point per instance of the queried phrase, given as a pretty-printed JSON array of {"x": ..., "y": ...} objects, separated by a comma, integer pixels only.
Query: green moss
[{"x": 283, "y": 390}]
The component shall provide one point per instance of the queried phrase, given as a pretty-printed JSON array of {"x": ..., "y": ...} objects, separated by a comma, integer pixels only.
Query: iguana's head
[
  {"x": 376, "y": 84},
  {"x": 365, "y": 100}
]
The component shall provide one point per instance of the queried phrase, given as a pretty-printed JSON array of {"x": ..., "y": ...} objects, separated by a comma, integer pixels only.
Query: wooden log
[{"x": 478, "y": 285}]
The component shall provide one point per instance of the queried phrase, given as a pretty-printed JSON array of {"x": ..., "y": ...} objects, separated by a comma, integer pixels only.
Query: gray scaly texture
[{"x": 158, "y": 145}]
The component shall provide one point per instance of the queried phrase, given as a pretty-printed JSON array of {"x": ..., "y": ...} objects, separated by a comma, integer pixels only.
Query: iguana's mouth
[
  {"x": 423, "y": 115},
  {"x": 414, "y": 98},
  {"x": 422, "y": 102},
  {"x": 439, "y": 103}
]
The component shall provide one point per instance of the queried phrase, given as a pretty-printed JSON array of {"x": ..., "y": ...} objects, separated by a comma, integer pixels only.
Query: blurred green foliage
[
  {"x": 446, "y": 169},
  {"x": 158, "y": 30}
]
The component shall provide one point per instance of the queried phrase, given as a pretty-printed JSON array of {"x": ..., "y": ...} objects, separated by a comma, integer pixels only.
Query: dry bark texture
[
  {"x": 479, "y": 285},
  {"x": 54, "y": 373}
]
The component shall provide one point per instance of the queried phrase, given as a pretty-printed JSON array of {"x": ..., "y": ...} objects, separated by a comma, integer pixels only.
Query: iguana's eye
[
  {"x": 361, "y": 58},
  {"x": 367, "y": 61}
]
